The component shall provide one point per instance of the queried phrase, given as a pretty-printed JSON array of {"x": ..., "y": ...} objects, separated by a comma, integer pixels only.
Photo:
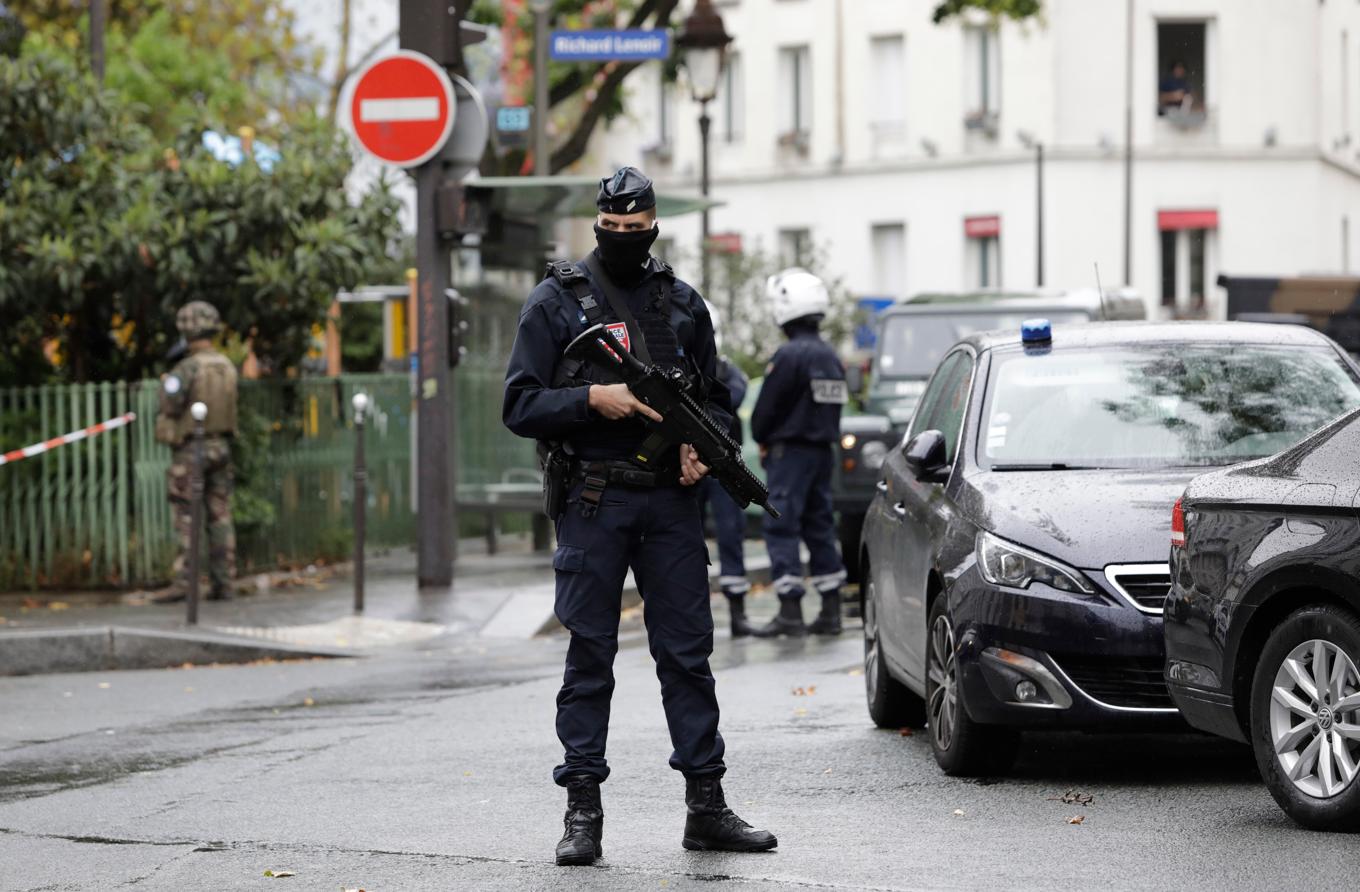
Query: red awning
[
  {"x": 982, "y": 227},
  {"x": 1172, "y": 220}
]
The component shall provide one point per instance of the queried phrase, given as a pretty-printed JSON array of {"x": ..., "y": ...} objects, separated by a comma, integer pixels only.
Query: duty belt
[{"x": 599, "y": 474}]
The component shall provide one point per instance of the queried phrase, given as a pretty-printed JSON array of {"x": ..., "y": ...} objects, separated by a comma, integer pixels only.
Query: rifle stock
[{"x": 683, "y": 419}]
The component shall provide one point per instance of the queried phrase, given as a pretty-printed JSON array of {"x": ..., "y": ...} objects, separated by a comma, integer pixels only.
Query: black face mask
[{"x": 624, "y": 253}]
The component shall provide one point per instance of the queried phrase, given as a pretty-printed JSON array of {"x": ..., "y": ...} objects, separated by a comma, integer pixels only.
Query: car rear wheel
[
  {"x": 1305, "y": 717},
  {"x": 891, "y": 704},
  {"x": 963, "y": 748}
]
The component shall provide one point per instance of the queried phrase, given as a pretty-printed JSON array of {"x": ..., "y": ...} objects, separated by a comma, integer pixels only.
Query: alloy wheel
[
  {"x": 1315, "y": 718},
  {"x": 942, "y": 670},
  {"x": 872, "y": 660}
]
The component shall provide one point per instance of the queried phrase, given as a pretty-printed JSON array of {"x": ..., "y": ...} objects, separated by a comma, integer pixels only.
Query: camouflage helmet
[{"x": 198, "y": 319}]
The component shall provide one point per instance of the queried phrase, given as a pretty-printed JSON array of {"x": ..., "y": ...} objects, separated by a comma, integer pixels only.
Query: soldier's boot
[
  {"x": 584, "y": 823},
  {"x": 828, "y": 622},
  {"x": 788, "y": 621},
  {"x": 711, "y": 826},
  {"x": 222, "y": 593},
  {"x": 736, "y": 605}
]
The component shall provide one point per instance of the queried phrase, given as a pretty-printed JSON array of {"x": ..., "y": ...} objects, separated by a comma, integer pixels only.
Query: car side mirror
[{"x": 925, "y": 455}]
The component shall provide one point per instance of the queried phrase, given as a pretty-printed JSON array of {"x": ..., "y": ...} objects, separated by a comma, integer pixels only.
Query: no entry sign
[{"x": 400, "y": 108}]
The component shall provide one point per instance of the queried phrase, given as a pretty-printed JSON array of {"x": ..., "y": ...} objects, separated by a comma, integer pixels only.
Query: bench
[{"x": 520, "y": 491}]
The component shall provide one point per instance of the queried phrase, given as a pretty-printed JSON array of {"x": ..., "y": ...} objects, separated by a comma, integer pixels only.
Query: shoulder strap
[
  {"x": 569, "y": 276},
  {"x": 619, "y": 304}
]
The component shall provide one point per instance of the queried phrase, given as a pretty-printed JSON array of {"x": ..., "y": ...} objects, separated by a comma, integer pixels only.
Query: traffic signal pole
[{"x": 432, "y": 27}]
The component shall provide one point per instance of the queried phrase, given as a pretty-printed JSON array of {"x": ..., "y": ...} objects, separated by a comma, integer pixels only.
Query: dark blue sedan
[{"x": 1017, "y": 545}]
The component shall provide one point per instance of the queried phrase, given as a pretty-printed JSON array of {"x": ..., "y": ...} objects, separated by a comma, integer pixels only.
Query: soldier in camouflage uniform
[{"x": 205, "y": 376}]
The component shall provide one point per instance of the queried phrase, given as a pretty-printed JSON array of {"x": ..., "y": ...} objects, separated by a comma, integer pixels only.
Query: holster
[{"x": 556, "y": 481}]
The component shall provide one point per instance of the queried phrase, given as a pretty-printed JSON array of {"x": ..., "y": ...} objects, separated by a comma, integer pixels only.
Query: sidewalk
[{"x": 508, "y": 595}]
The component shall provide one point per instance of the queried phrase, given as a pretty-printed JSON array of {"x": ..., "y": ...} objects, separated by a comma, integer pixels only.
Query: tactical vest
[
  {"x": 653, "y": 320},
  {"x": 207, "y": 377}
]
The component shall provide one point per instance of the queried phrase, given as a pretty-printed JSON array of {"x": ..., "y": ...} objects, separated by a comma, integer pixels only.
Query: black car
[
  {"x": 1015, "y": 551},
  {"x": 911, "y": 338},
  {"x": 1263, "y": 620}
]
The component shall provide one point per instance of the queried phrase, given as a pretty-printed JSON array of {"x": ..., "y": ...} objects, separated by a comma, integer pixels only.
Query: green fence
[{"x": 95, "y": 512}]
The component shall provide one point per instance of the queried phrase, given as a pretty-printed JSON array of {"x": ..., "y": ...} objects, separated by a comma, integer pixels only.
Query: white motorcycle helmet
[
  {"x": 795, "y": 293},
  {"x": 717, "y": 324}
]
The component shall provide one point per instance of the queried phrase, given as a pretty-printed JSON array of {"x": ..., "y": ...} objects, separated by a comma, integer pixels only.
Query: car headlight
[
  {"x": 873, "y": 454},
  {"x": 848, "y": 442},
  {"x": 1005, "y": 563}
]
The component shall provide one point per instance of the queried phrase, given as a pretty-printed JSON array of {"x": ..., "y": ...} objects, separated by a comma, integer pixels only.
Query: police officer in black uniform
[
  {"x": 619, "y": 515},
  {"x": 796, "y": 420}
]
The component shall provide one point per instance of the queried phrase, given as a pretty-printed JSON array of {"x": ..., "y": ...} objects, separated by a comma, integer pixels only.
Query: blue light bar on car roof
[{"x": 1036, "y": 331}]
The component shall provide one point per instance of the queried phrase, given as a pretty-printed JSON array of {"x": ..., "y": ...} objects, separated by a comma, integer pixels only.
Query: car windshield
[
  {"x": 912, "y": 345},
  {"x": 1158, "y": 405}
]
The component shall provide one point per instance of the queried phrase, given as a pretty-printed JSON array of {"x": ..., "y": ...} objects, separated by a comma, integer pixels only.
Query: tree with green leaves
[
  {"x": 105, "y": 230},
  {"x": 1016, "y": 10}
]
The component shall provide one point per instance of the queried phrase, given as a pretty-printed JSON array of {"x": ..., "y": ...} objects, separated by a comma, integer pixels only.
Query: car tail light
[{"x": 1178, "y": 525}]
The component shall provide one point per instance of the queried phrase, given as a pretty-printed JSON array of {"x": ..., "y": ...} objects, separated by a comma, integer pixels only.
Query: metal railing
[{"x": 95, "y": 513}]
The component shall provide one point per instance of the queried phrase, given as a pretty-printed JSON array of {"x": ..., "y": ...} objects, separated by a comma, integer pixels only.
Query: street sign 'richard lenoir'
[{"x": 604, "y": 46}]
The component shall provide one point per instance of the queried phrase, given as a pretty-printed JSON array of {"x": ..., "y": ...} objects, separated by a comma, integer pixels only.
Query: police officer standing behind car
[
  {"x": 205, "y": 376},
  {"x": 795, "y": 420},
  {"x": 617, "y": 514}
]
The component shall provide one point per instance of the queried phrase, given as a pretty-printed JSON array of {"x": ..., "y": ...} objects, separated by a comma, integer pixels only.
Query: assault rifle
[{"x": 683, "y": 419}]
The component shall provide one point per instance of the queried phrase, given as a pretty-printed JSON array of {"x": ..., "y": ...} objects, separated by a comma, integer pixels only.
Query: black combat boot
[
  {"x": 712, "y": 827},
  {"x": 584, "y": 823},
  {"x": 789, "y": 621},
  {"x": 828, "y": 622},
  {"x": 736, "y": 605}
]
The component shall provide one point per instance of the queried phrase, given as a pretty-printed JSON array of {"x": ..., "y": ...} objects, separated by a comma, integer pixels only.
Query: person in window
[{"x": 1173, "y": 91}]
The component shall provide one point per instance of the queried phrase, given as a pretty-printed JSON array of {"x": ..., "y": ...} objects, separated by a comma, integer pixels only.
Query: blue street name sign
[{"x": 605, "y": 46}]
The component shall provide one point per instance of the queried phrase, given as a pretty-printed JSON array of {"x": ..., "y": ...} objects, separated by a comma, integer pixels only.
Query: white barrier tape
[{"x": 64, "y": 439}]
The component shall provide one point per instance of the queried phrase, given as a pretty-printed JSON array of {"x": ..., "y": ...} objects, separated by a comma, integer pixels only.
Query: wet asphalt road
[{"x": 430, "y": 770}]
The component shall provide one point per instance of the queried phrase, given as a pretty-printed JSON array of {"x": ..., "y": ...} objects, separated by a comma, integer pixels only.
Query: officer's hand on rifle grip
[
  {"x": 615, "y": 401},
  {"x": 691, "y": 469}
]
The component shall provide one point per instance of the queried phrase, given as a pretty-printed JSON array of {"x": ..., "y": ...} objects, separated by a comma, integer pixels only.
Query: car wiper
[{"x": 1053, "y": 466}]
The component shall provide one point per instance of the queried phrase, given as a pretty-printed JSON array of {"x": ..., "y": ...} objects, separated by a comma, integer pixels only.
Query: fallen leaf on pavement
[
  {"x": 828, "y": 771},
  {"x": 1077, "y": 820},
  {"x": 58, "y": 606},
  {"x": 1073, "y": 797},
  {"x": 805, "y": 692},
  {"x": 800, "y": 711},
  {"x": 905, "y": 732},
  {"x": 279, "y": 874},
  {"x": 105, "y": 685},
  {"x": 309, "y": 702},
  {"x": 958, "y": 812}
]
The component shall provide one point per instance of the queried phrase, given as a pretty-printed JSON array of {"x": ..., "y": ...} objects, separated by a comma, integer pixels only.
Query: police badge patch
[
  {"x": 830, "y": 390},
  {"x": 620, "y": 332}
]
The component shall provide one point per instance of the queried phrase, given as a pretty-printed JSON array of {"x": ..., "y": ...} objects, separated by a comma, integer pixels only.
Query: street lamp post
[
  {"x": 704, "y": 42},
  {"x": 1029, "y": 141}
]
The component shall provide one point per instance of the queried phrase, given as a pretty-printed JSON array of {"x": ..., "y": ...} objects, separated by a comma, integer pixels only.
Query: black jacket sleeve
[
  {"x": 778, "y": 394},
  {"x": 533, "y": 407}
]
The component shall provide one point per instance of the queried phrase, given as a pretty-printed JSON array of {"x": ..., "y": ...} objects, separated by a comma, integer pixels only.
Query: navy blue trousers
[
  {"x": 799, "y": 479},
  {"x": 729, "y": 523},
  {"x": 656, "y": 533}
]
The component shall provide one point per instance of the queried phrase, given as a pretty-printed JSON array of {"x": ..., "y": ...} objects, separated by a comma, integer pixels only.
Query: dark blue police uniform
[
  {"x": 797, "y": 419},
  {"x": 652, "y": 529},
  {"x": 729, "y": 520}
]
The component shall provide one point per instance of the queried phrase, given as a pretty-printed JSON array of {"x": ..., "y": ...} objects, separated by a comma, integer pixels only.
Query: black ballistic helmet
[{"x": 627, "y": 192}]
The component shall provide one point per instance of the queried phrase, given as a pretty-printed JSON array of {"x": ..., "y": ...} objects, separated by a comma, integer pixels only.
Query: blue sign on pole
[{"x": 607, "y": 46}]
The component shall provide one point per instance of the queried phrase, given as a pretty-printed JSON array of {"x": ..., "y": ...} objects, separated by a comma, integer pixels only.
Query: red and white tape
[{"x": 73, "y": 437}]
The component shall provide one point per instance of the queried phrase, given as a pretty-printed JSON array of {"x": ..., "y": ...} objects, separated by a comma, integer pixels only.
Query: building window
[
  {"x": 1187, "y": 239},
  {"x": 795, "y": 96},
  {"x": 982, "y": 252},
  {"x": 889, "y": 246},
  {"x": 732, "y": 98},
  {"x": 888, "y": 90},
  {"x": 795, "y": 247},
  {"x": 982, "y": 79},
  {"x": 665, "y": 108},
  {"x": 1182, "y": 85}
]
